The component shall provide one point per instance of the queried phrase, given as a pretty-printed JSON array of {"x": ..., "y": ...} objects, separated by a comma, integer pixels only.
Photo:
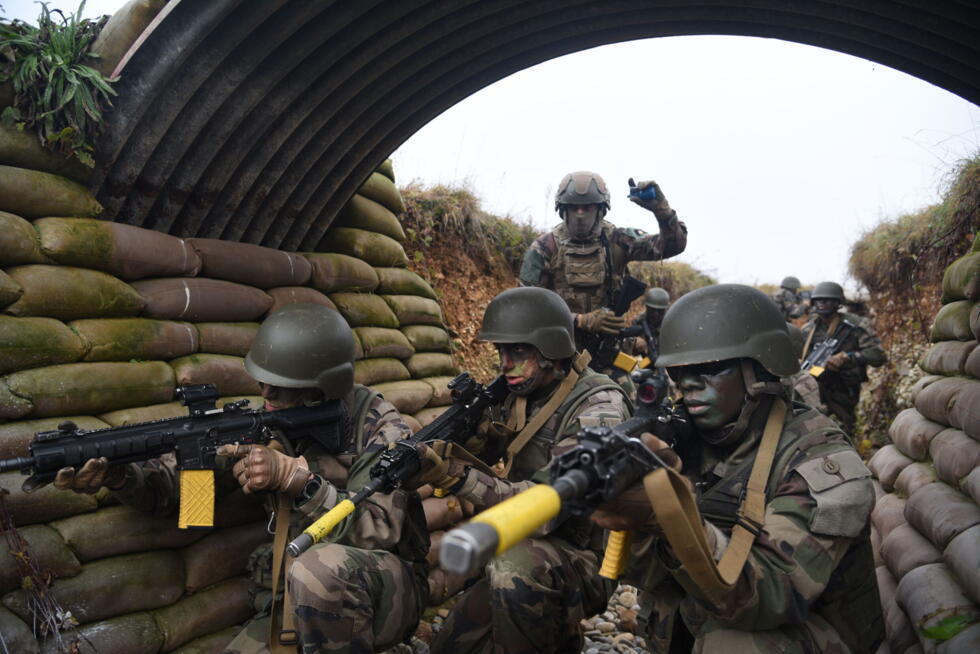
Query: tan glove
[
  {"x": 261, "y": 468},
  {"x": 837, "y": 361},
  {"x": 600, "y": 321},
  {"x": 92, "y": 476},
  {"x": 437, "y": 468},
  {"x": 658, "y": 204}
]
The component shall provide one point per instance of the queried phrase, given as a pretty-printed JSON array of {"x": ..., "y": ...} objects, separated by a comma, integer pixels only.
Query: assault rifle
[
  {"x": 193, "y": 438},
  {"x": 604, "y": 348},
  {"x": 460, "y": 421},
  {"x": 816, "y": 361}
]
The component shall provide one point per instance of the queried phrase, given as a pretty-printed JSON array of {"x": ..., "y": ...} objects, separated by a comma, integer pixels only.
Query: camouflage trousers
[
  {"x": 530, "y": 601},
  {"x": 841, "y": 402},
  {"x": 815, "y": 636}
]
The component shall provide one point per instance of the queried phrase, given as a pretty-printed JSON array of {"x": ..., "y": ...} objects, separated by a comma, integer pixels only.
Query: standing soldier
[
  {"x": 344, "y": 591},
  {"x": 531, "y": 599},
  {"x": 857, "y": 348},
  {"x": 788, "y": 299},
  {"x": 644, "y": 333}
]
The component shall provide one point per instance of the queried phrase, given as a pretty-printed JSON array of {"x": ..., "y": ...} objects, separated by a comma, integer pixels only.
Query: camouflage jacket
[
  {"x": 858, "y": 340},
  {"x": 789, "y": 303}
]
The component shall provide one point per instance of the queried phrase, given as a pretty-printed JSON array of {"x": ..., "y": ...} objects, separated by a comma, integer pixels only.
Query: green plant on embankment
[
  {"x": 675, "y": 277},
  {"x": 56, "y": 94}
]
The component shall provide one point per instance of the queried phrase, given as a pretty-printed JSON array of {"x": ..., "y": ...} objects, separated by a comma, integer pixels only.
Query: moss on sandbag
[
  {"x": 70, "y": 293},
  {"x": 34, "y": 194},
  {"x": 408, "y": 396},
  {"x": 383, "y": 342},
  {"x": 21, "y": 148},
  {"x": 952, "y": 323},
  {"x": 123, "y": 339},
  {"x": 375, "y": 249},
  {"x": 401, "y": 281},
  {"x": 46, "y": 547},
  {"x": 427, "y": 338},
  {"x": 42, "y": 505},
  {"x": 441, "y": 395},
  {"x": 333, "y": 272},
  {"x": 19, "y": 242},
  {"x": 17, "y": 636},
  {"x": 375, "y": 371},
  {"x": 414, "y": 310},
  {"x": 220, "y": 606},
  {"x": 14, "y": 436},
  {"x": 947, "y": 358},
  {"x": 387, "y": 169},
  {"x": 133, "y": 415},
  {"x": 226, "y": 372},
  {"x": 365, "y": 213},
  {"x": 381, "y": 189},
  {"x": 428, "y": 414},
  {"x": 961, "y": 281},
  {"x": 134, "y": 633},
  {"x": 33, "y": 342},
  {"x": 430, "y": 364},
  {"x": 364, "y": 310},
  {"x": 221, "y": 554},
  {"x": 10, "y": 291}
]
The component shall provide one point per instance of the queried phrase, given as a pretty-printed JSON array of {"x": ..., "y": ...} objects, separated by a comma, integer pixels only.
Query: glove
[
  {"x": 261, "y": 468},
  {"x": 837, "y": 361},
  {"x": 658, "y": 204},
  {"x": 437, "y": 467},
  {"x": 600, "y": 321},
  {"x": 92, "y": 476}
]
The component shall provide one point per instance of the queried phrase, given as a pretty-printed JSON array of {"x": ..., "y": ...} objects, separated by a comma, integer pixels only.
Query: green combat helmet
[
  {"x": 582, "y": 187},
  {"x": 828, "y": 291},
  {"x": 531, "y": 315},
  {"x": 656, "y": 298},
  {"x": 790, "y": 283},
  {"x": 726, "y": 321},
  {"x": 304, "y": 346}
]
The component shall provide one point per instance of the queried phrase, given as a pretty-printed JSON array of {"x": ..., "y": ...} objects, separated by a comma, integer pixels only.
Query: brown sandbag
[
  {"x": 879, "y": 491},
  {"x": 435, "y": 539},
  {"x": 285, "y": 295},
  {"x": 70, "y": 293},
  {"x": 965, "y": 642},
  {"x": 962, "y": 557},
  {"x": 234, "y": 338},
  {"x": 876, "y": 546},
  {"x": 412, "y": 423},
  {"x": 217, "y": 607},
  {"x": 443, "y": 585},
  {"x": 965, "y": 411},
  {"x": 135, "y": 633},
  {"x": 971, "y": 485},
  {"x": 972, "y": 365},
  {"x": 407, "y": 396},
  {"x": 937, "y": 400},
  {"x": 941, "y": 513},
  {"x": 955, "y": 455},
  {"x": 212, "y": 643},
  {"x": 33, "y": 342},
  {"x": 442, "y": 512},
  {"x": 200, "y": 299},
  {"x": 44, "y": 504},
  {"x": 19, "y": 242},
  {"x": 126, "y": 251},
  {"x": 430, "y": 364},
  {"x": 414, "y": 310},
  {"x": 911, "y": 432},
  {"x": 33, "y": 194},
  {"x": 383, "y": 342},
  {"x": 10, "y": 291},
  {"x": 898, "y": 630},
  {"x": 237, "y": 508},
  {"x": 134, "y": 415},
  {"x": 250, "y": 264},
  {"x": 364, "y": 310},
  {"x": 226, "y": 372},
  {"x": 364, "y": 213},
  {"x": 961, "y": 280},
  {"x": 387, "y": 169},
  {"x": 375, "y": 249},
  {"x": 920, "y": 384},
  {"x": 123, "y": 339},
  {"x": 402, "y": 281},
  {"x": 17, "y": 636},
  {"x": 931, "y": 596},
  {"x": 975, "y": 321},
  {"x": 48, "y": 550},
  {"x": 914, "y": 477},
  {"x": 14, "y": 436},
  {"x": 83, "y": 388},
  {"x": 952, "y": 323},
  {"x": 377, "y": 371},
  {"x": 441, "y": 395},
  {"x": 335, "y": 273},
  {"x": 222, "y": 554},
  {"x": 886, "y": 464},
  {"x": 382, "y": 190},
  {"x": 426, "y": 416},
  {"x": 21, "y": 148},
  {"x": 889, "y": 512},
  {"x": 121, "y": 31},
  {"x": 947, "y": 358},
  {"x": 426, "y": 338},
  {"x": 905, "y": 549}
]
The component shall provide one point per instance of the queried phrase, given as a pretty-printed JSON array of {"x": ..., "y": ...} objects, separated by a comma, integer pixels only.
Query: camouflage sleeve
[
  {"x": 869, "y": 347},
  {"x": 640, "y": 246},
  {"x": 535, "y": 270},
  {"x": 154, "y": 486}
]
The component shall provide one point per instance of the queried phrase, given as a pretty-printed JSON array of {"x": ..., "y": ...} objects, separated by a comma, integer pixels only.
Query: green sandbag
[
  {"x": 376, "y": 249},
  {"x": 441, "y": 395},
  {"x": 217, "y": 607},
  {"x": 91, "y": 387},
  {"x": 364, "y": 213},
  {"x": 12, "y": 406},
  {"x": 364, "y": 310},
  {"x": 407, "y": 396},
  {"x": 401, "y": 281},
  {"x": 962, "y": 279},
  {"x": 381, "y": 342},
  {"x": 285, "y": 295},
  {"x": 121, "y": 31},
  {"x": 430, "y": 364},
  {"x": 426, "y": 338},
  {"x": 21, "y": 148},
  {"x": 414, "y": 310},
  {"x": 358, "y": 350},
  {"x": 387, "y": 169},
  {"x": 375, "y": 371},
  {"x": 42, "y": 505},
  {"x": 70, "y": 293},
  {"x": 32, "y": 342},
  {"x": 334, "y": 272},
  {"x": 46, "y": 547},
  {"x": 135, "y": 633},
  {"x": 952, "y": 323},
  {"x": 10, "y": 291},
  {"x": 19, "y": 242},
  {"x": 381, "y": 189},
  {"x": 134, "y": 415},
  {"x": 226, "y": 372},
  {"x": 14, "y": 436},
  {"x": 427, "y": 415},
  {"x": 122, "y": 339},
  {"x": 947, "y": 358},
  {"x": 233, "y": 338},
  {"x": 222, "y": 554},
  {"x": 17, "y": 636},
  {"x": 211, "y": 643},
  {"x": 33, "y": 194},
  {"x": 975, "y": 321}
]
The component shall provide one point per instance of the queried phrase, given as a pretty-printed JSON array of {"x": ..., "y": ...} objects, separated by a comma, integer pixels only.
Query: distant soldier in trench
[
  {"x": 644, "y": 333},
  {"x": 788, "y": 299},
  {"x": 366, "y": 588}
]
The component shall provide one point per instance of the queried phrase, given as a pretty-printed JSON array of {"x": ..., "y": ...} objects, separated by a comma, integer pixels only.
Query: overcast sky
[{"x": 776, "y": 155}]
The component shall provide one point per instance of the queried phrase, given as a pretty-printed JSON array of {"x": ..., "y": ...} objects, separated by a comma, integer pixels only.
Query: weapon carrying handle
[{"x": 196, "y": 499}]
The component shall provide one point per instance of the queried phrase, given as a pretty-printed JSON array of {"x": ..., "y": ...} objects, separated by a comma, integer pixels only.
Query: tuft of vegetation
[
  {"x": 675, "y": 277},
  {"x": 56, "y": 94}
]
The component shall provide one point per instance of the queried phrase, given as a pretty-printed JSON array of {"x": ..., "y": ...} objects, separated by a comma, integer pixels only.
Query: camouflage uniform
[
  {"x": 789, "y": 303},
  {"x": 840, "y": 390},
  {"x": 532, "y": 598},
  {"x": 373, "y": 564},
  {"x": 808, "y": 584},
  {"x": 807, "y": 391}
]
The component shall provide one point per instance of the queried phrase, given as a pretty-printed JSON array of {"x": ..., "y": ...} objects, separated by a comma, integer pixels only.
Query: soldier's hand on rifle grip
[
  {"x": 436, "y": 467},
  {"x": 600, "y": 321},
  {"x": 261, "y": 468},
  {"x": 92, "y": 476},
  {"x": 836, "y": 361}
]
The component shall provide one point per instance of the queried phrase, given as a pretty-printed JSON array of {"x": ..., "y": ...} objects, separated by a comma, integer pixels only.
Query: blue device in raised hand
[{"x": 646, "y": 194}]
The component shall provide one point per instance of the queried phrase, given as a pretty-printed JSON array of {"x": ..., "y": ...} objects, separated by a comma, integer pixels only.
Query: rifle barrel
[{"x": 17, "y": 463}]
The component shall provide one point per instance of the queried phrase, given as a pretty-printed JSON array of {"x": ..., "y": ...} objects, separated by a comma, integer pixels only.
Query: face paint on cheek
[{"x": 713, "y": 400}]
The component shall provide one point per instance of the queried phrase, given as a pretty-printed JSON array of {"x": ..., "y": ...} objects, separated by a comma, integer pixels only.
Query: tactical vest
[{"x": 586, "y": 274}]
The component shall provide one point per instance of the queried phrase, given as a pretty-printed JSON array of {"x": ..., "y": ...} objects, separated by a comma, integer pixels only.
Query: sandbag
[
  {"x": 878, "y": 490},
  {"x": 134, "y": 415},
  {"x": 14, "y": 436},
  {"x": 889, "y": 512},
  {"x": 402, "y": 281},
  {"x": 442, "y": 512},
  {"x": 905, "y": 549},
  {"x": 965, "y": 410},
  {"x": 387, "y": 169},
  {"x": 334, "y": 273},
  {"x": 46, "y": 547},
  {"x": 70, "y": 293},
  {"x": 414, "y": 310},
  {"x": 87, "y": 388},
  {"x": 441, "y": 395},
  {"x": 200, "y": 299},
  {"x": 952, "y": 323},
  {"x": 911, "y": 433},
  {"x": 935, "y": 604},
  {"x": 972, "y": 365},
  {"x": 412, "y": 423},
  {"x": 435, "y": 540},
  {"x": 961, "y": 280},
  {"x": 426, "y": 338},
  {"x": 921, "y": 383},
  {"x": 955, "y": 455},
  {"x": 121, "y": 31},
  {"x": 886, "y": 464},
  {"x": 382, "y": 342},
  {"x": 965, "y": 642},
  {"x": 941, "y": 513},
  {"x": 975, "y": 321},
  {"x": 10, "y": 291},
  {"x": 250, "y": 264},
  {"x": 443, "y": 585},
  {"x": 135, "y": 633},
  {"x": 221, "y": 555},
  {"x": 937, "y": 400},
  {"x": 947, "y": 358},
  {"x": 376, "y": 371},
  {"x": 407, "y": 396},
  {"x": 876, "y": 546},
  {"x": 971, "y": 485},
  {"x": 33, "y": 342},
  {"x": 218, "y": 607},
  {"x": 375, "y": 249},
  {"x": 381, "y": 189},
  {"x": 238, "y": 508},
  {"x": 21, "y": 148},
  {"x": 212, "y": 643},
  {"x": 898, "y": 630},
  {"x": 430, "y": 364},
  {"x": 126, "y": 251},
  {"x": 17, "y": 636},
  {"x": 19, "y": 242},
  {"x": 285, "y": 295},
  {"x": 364, "y": 310},
  {"x": 33, "y": 194},
  {"x": 364, "y": 213},
  {"x": 123, "y": 339},
  {"x": 226, "y": 372},
  {"x": 914, "y": 477},
  {"x": 234, "y": 338},
  {"x": 962, "y": 557},
  {"x": 358, "y": 350},
  {"x": 427, "y": 415}
]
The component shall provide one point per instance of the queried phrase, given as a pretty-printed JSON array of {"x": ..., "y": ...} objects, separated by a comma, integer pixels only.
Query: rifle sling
[
  {"x": 831, "y": 330},
  {"x": 677, "y": 514},
  {"x": 286, "y": 639}
]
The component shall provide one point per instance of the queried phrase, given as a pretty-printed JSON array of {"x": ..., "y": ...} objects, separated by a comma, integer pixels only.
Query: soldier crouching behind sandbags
[{"x": 363, "y": 591}]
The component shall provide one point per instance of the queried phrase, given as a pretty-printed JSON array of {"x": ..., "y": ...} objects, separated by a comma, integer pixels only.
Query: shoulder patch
[{"x": 840, "y": 484}]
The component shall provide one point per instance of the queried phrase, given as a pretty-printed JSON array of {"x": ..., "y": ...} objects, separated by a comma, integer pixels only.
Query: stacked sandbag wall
[
  {"x": 926, "y": 522},
  {"x": 100, "y": 322}
]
